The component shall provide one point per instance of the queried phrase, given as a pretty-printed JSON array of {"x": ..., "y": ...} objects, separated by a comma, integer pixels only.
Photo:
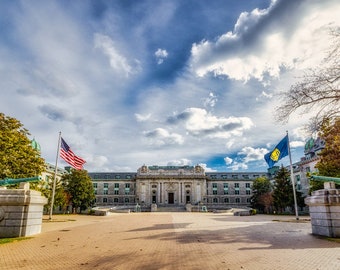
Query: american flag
[{"x": 67, "y": 154}]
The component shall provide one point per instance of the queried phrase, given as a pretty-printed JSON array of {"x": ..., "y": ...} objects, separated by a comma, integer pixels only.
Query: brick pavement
[{"x": 172, "y": 241}]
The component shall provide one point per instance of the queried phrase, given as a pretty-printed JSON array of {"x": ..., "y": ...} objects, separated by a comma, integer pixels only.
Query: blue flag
[{"x": 280, "y": 151}]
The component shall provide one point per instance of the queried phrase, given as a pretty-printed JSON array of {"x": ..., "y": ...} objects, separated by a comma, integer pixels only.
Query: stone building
[{"x": 174, "y": 186}]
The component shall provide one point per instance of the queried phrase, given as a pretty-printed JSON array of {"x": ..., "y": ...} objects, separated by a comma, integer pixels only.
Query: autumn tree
[
  {"x": 262, "y": 197},
  {"x": 329, "y": 164},
  {"x": 318, "y": 90},
  {"x": 18, "y": 159},
  {"x": 79, "y": 186}
]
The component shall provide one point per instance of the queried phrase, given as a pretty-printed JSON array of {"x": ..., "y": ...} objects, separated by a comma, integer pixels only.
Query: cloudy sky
[{"x": 180, "y": 82}]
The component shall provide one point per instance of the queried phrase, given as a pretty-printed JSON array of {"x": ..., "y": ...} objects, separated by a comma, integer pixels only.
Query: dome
[{"x": 35, "y": 145}]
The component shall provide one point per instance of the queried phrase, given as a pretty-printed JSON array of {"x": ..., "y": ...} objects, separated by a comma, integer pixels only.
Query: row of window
[
  {"x": 226, "y": 192},
  {"x": 128, "y": 200},
  {"x": 116, "y": 185},
  {"x": 228, "y": 200},
  {"x": 234, "y": 176},
  {"x": 226, "y": 185}
]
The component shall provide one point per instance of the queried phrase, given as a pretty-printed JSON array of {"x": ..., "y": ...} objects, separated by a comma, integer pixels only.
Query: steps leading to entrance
[{"x": 171, "y": 209}]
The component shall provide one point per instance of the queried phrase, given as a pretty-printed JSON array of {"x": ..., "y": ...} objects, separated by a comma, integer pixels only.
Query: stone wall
[
  {"x": 324, "y": 209},
  {"x": 21, "y": 211}
]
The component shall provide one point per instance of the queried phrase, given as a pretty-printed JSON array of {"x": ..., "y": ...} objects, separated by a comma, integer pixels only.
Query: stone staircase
[{"x": 171, "y": 209}]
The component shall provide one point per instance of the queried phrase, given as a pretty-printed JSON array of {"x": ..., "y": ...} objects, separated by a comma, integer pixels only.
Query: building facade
[{"x": 174, "y": 186}]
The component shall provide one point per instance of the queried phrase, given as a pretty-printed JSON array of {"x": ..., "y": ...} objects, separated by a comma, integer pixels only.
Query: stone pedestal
[
  {"x": 21, "y": 211},
  {"x": 324, "y": 209},
  {"x": 153, "y": 207}
]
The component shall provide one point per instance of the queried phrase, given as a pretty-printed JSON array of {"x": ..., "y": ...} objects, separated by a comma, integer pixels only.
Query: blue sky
[{"x": 160, "y": 82}]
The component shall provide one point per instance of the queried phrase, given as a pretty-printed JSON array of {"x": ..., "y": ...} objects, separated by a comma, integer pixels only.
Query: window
[
  {"x": 215, "y": 200},
  {"x": 248, "y": 192},
  {"x": 117, "y": 176},
  {"x": 237, "y": 200},
  {"x": 224, "y": 176},
  {"x": 234, "y": 176},
  {"x": 237, "y": 185},
  {"x": 225, "y": 188},
  {"x": 106, "y": 185},
  {"x": 116, "y": 189},
  {"x": 106, "y": 191},
  {"x": 245, "y": 176},
  {"x": 247, "y": 185},
  {"x": 104, "y": 200},
  {"x": 248, "y": 200},
  {"x": 115, "y": 200},
  {"x": 126, "y": 200},
  {"x": 154, "y": 186},
  {"x": 214, "y": 187},
  {"x": 95, "y": 185},
  {"x": 127, "y": 188},
  {"x": 213, "y": 176},
  {"x": 226, "y": 200},
  {"x": 128, "y": 177},
  {"x": 237, "y": 192}
]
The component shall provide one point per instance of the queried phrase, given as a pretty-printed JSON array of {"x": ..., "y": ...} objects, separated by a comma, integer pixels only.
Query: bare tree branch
[{"x": 318, "y": 90}]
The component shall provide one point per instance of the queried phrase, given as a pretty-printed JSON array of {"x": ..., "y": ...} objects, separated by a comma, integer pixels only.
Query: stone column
[
  {"x": 324, "y": 209},
  {"x": 21, "y": 211}
]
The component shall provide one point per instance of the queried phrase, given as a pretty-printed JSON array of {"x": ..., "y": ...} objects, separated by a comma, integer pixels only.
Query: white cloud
[
  {"x": 179, "y": 162},
  {"x": 252, "y": 154},
  {"x": 141, "y": 117},
  {"x": 210, "y": 101},
  {"x": 161, "y": 136},
  {"x": 236, "y": 166},
  {"x": 161, "y": 55},
  {"x": 259, "y": 47},
  {"x": 294, "y": 144},
  {"x": 118, "y": 62},
  {"x": 228, "y": 160},
  {"x": 198, "y": 122},
  {"x": 206, "y": 168}
]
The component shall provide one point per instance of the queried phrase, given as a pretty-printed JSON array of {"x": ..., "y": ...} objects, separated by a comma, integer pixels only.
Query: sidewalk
[{"x": 172, "y": 241}]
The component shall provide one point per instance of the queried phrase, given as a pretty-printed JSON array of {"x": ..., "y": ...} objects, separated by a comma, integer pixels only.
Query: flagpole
[
  {"x": 292, "y": 179},
  {"x": 55, "y": 177}
]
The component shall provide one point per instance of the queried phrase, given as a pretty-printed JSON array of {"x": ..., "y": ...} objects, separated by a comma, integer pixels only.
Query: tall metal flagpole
[
  {"x": 292, "y": 179},
  {"x": 55, "y": 177}
]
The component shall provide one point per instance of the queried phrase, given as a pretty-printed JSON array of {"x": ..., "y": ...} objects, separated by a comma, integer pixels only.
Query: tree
[
  {"x": 262, "y": 197},
  {"x": 17, "y": 157},
  {"x": 79, "y": 186},
  {"x": 318, "y": 90},
  {"x": 283, "y": 190},
  {"x": 329, "y": 164},
  {"x": 61, "y": 196}
]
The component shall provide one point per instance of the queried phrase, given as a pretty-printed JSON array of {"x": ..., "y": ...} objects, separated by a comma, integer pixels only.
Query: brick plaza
[{"x": 173, "y": 240}]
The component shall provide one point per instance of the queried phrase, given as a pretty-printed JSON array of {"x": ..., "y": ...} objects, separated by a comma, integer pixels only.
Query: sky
[{"x": 169, "y": 82}]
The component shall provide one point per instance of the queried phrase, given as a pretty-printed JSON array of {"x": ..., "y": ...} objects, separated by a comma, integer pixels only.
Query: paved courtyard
[{"x": 172, "y": 241}]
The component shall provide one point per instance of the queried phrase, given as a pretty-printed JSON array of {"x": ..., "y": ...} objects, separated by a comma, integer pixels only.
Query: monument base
[{"x": 21, "y": 211}]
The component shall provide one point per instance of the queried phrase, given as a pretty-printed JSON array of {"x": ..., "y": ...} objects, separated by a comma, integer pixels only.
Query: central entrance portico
[{"x": 170, "y": 185}]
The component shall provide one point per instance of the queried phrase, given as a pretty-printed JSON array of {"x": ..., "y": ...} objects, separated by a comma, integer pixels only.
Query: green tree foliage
[
  {"x": 79, "y": 186},
  {"x": 283, "y": 195},
  {"x": 61, "y": 196},
  {"x": 17, "y": 157},
  {"x": 283, "y": 190},
  {"x": 262, "y": 197}
]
